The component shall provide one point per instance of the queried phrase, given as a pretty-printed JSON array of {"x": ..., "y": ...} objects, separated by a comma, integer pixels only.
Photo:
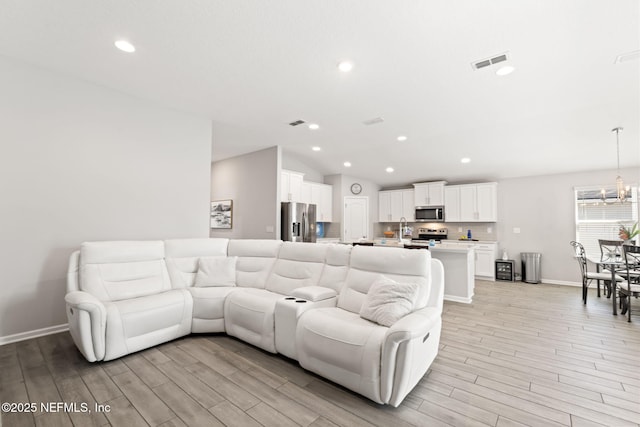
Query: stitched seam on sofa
[
  {"x": 247, "y": 308},
  {"x": 331, "y": 337},
  {"x": 157, "y": 307},
  {"x": 124, "y": 331},
  {"x": 184, "y": 309}
]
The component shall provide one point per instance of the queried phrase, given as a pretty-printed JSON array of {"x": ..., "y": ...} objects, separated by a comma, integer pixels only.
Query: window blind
[{"x": 596, "y": 219}]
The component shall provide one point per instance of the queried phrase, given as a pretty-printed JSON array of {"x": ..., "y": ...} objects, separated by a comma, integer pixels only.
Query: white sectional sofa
[{"x": 368, "y": 318}]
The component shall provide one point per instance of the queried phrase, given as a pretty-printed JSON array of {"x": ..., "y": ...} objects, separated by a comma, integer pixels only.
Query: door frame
[{"x": 344, "y": 209}]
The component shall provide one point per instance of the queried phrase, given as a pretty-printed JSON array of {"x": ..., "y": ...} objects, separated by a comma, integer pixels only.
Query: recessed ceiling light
[
  {"x": 316, "y": 148},
  {"x": 389, "y": 169},
  {"x": 347, "y": 164},
  {"x": 465, "y": 160},
  {"x": 125, "y": 46},
  {"x": 345, "y": 66},
  {"x": 402, "y": 138},
  {"x": 314, "y": 126},
  {"x": 507, "y": 69}
]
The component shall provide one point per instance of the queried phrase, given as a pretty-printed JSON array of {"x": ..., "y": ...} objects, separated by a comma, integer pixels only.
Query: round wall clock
[{"x": 356, "y": 188}]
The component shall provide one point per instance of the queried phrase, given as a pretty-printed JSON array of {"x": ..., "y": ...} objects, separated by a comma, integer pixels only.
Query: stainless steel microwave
[{"x": 429, "y": 213}]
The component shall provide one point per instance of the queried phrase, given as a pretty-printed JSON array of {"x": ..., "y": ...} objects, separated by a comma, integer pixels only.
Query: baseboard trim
[
  {"x": 34, "y": 334},
  {"x": 457, "y": 299}
]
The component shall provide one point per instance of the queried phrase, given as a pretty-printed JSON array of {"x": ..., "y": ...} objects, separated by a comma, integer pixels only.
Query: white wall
[
  {"x": 81, "y": 162},
  {"x": 252, "y": 181},
  {"x": 543, "y": 208},
  {"x": 290, "y": 162}
]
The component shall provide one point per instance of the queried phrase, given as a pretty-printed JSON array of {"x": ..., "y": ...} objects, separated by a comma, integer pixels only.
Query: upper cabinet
[
  {"x": 429, "y": 193},
  {"x": 291, "y": 186},
  {"x": 320, "y": 195},
  {"x": 471, "y": 202},
  {"x": 396, "y": 204}
]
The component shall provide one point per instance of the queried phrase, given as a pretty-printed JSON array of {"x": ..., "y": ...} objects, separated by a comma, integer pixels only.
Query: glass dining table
[{"x": 613, "y": 264}]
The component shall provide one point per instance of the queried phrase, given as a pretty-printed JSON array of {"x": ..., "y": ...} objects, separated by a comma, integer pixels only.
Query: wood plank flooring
[{"x": 521, "y": 354}]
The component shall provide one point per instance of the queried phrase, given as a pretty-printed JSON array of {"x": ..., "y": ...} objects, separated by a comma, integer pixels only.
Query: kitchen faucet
[{"x": 400, "y": 228}]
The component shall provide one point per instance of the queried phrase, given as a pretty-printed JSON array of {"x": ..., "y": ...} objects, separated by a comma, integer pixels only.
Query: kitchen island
[{"x": 458, "y": 261}]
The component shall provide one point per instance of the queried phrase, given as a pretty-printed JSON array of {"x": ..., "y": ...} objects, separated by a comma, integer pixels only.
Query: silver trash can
[{"x": 531, "y": 267}]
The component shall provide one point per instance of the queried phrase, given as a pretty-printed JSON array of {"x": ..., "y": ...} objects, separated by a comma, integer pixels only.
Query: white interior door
[{"x": 356, "y": 219}]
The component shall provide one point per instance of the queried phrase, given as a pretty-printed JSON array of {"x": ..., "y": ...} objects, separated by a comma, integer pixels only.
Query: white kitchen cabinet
[
  {"x": 322, "y": 197},
  {"x": 306, "y": 192},
  {"x": 452, "y": 203},
  {"x": 408, "y": 206},
  {"x": 291, "y": 186},
  {"x": 395, "y": 204},
  {"x": 486, "y": 255},
  {"x": 471, "y": 202},
  {"x": 487, "y": 202},
  {"x": 429, "y": 193}
]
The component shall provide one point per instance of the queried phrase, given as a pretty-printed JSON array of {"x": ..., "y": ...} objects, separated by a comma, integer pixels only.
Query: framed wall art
[{"x": 221, "y": 213}]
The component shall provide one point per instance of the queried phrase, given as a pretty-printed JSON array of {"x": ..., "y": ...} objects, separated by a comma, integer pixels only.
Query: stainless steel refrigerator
[{"x": 298, "y": 222}]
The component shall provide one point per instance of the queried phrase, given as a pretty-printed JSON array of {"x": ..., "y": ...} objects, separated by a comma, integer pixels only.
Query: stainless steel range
[{"x": 437, "y": 234}]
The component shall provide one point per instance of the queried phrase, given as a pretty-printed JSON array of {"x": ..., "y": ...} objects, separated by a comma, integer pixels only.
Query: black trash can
[{"x": 531, "y": 267}]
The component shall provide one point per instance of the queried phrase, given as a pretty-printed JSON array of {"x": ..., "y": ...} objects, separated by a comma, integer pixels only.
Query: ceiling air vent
[
  {"x": 629, "y": 56},
  {"x": 296, "y": 123},
  {"x": 373, "y": 121},
  {"x": 484, "y": 63}
]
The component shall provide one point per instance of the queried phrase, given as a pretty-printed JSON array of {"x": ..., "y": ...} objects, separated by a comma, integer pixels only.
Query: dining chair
[
  {"x": 610, "y": 248},
  {"x": 630, "y": 288},
  {"x": 588, "y": 276}
]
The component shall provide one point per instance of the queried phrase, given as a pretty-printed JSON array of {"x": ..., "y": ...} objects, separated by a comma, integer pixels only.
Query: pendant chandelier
[{"x": 622, "y": 192}]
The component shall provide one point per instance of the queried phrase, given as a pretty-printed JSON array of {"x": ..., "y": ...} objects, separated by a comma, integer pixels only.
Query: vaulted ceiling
[{"x": 253, "y": 67}]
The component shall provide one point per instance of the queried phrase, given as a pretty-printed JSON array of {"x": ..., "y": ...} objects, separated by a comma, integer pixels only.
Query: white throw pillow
[
  {"x": 216, "y": 271},
  {"x": 388, "y": 301}
]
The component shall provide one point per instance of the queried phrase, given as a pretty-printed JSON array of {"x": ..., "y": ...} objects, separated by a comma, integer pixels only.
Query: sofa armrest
[
  {"x": 87, "y": 323},
  {"x": 314, "y": 293},
  {"x": 409, "y": 347}
]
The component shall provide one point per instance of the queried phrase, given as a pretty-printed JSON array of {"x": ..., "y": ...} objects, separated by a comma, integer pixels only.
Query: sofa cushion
[
  {"x": 336, "y": 266},
  {"x": 183, "y": 254},
  {"x": 138, "y": 323},
  {"x": 249, "y": 315},
  {"x": 298, "y": 264},
  {"x": 216, "y": 271},
  {"x": 119, "y": 270},
  {"x": 369, "y": 263},
  {"x": 208, "y": 308},
  {"x": 388, "y": 301},
  {"x": 342, "y": 347},
  {"x": 255, "y": 260}
]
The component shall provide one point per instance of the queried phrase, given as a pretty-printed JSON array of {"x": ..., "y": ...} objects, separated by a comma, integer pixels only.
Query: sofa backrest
[
  {"x": 255, "y": 260},
  {"x": 336, "y": 266},
  {"x": 370, "y": 263},
  {"x": 298, "y": 264},
  {"x": 118, "y": 270},
  {"x": 182, "y": 257}
]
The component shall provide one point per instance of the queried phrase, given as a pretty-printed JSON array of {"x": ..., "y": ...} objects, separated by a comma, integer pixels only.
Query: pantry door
[{"x": 356, "y": 219}]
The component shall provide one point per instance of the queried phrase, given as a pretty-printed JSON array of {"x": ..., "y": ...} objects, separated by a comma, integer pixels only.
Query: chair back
[
  {"x": 581, "y": 257},
  {"x": 610, "y": 248},
  {"x": 631, "y": 261}
]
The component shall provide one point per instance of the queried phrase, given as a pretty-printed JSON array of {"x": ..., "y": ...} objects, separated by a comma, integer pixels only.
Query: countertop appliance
[
  {"x": 429, "y": 213},
  {"x": 438, "y": 234},
  {"x": 298, "y": 222}
]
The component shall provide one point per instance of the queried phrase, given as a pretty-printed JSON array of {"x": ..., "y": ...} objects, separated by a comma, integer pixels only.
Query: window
[{"x": 597, "y": 219}]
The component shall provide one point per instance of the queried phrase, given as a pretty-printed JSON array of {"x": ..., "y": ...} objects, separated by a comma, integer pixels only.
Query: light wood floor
[{"x": 519, "y": 355}]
